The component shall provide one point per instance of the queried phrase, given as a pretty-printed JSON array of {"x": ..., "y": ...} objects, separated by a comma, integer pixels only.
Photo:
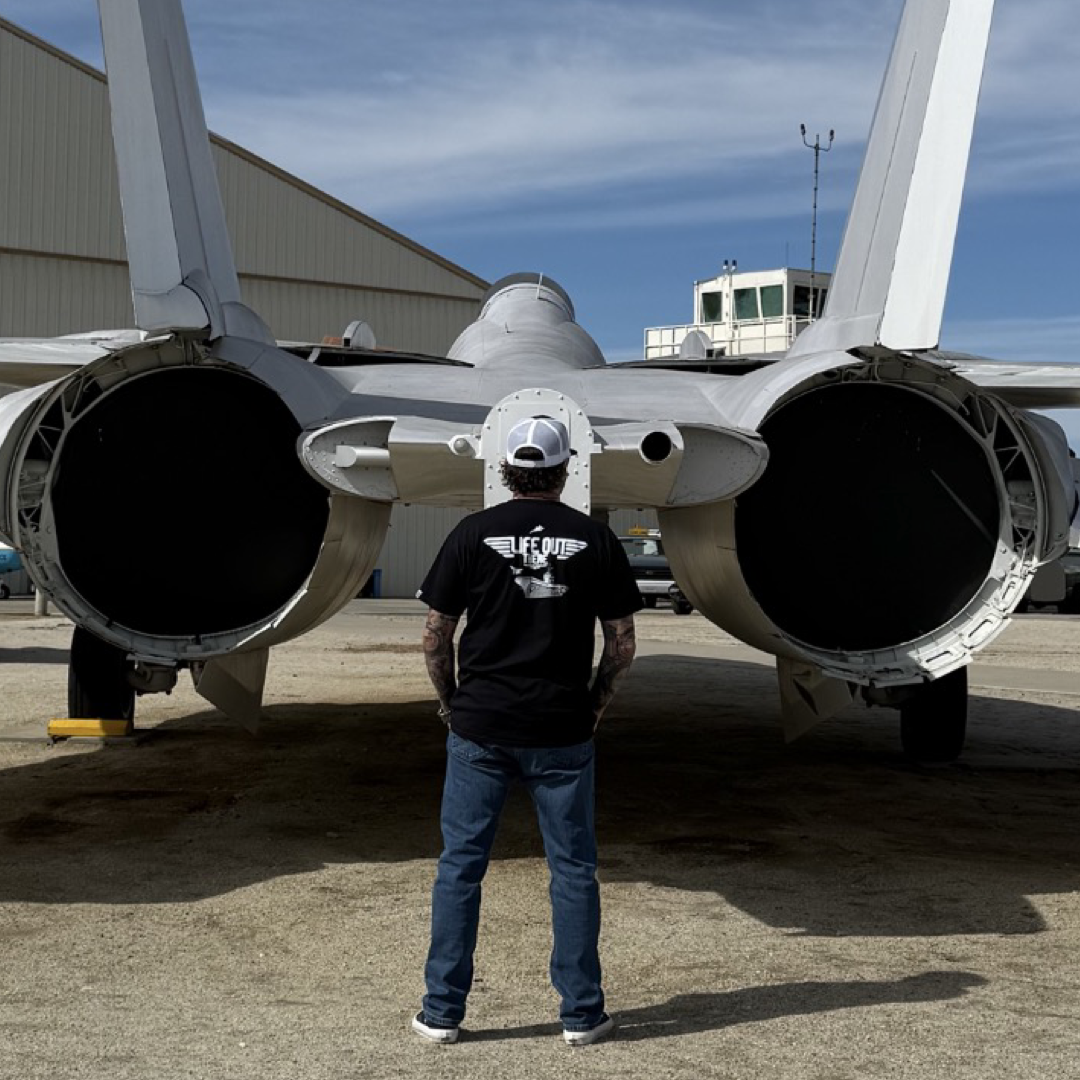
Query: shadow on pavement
[
  {"x": 33, "y": 655},
  {"x": 688, "y": 1014},
  {"x": 833, "y": 835}
]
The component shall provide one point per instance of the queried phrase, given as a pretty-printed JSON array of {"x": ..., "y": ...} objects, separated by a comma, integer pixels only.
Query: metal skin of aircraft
[{"x": 917, "y": 494}]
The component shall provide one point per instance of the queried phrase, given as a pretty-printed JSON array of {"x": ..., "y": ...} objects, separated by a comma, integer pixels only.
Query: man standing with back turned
[{"x": 533, "y": 575}]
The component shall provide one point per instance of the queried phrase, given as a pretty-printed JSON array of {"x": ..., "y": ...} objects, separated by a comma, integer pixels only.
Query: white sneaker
[
  {"x": 435, "y": 1034},
  {"x": 594, "y": 1034}
]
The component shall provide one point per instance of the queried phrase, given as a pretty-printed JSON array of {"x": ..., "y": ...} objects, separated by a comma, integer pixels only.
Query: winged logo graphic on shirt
[{"x": 534, "y": 558}]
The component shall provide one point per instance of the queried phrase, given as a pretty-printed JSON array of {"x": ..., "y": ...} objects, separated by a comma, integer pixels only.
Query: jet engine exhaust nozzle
[
  {"x": 164, "y": 505},
  {"x": 900, "y": 519}
]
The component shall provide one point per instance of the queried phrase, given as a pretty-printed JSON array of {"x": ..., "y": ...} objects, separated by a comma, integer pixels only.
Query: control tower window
[
  {"x": 712, "y": 307},
  {"x": 772, "y": 301},
  {"x": 746, "y": 304},
  {"x": 800, "y": 305}
]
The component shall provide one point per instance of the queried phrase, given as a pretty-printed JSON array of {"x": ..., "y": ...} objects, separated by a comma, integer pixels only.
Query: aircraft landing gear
[
  {"x": 933, "y": 721},
  {"x": 98, "y": 686}
]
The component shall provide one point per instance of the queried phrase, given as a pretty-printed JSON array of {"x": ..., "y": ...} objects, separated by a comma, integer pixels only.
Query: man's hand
[
  {"x": 438, "y": 640},
  {"x": 620, "y": 644}
]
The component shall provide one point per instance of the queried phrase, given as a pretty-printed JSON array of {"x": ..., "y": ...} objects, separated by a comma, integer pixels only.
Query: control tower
[{"x": 743, "y": 314}]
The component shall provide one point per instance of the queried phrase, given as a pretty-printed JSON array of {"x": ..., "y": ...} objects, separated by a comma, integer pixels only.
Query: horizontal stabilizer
[
  {"x": 1029, "y": 386},
  {"x": 182, "y": 272},
  {"x": 33, "y": 362},
  {"x": 893, "y": 270}
]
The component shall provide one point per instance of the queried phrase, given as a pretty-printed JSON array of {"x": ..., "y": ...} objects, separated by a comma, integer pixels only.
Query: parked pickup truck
[{"x": 650, "y": 566}]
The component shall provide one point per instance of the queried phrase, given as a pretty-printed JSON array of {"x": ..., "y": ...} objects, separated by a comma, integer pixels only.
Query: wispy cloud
[
  {"x": 424, "y": 109},
  {"x": 626, "y": 99},
  {"x": 590, "y": 96}
]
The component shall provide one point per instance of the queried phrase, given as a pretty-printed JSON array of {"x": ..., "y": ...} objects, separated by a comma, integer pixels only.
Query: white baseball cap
[{"x": 540, "y": 435}]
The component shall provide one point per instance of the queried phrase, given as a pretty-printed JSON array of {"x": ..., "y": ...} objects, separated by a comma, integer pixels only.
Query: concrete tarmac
[{"x": 195, "y": 902}]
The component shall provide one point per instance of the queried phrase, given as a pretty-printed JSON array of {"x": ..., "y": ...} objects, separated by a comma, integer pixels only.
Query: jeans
[{"x": 561, "y": 783}]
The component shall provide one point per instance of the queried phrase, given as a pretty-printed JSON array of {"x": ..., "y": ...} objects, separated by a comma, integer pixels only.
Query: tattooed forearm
[
  {"x": 439, "y": 654},
  {"x": 619, "y": 647}
]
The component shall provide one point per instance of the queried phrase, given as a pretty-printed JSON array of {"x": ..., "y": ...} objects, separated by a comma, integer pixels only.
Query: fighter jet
[{"x": 920, "y": 497}]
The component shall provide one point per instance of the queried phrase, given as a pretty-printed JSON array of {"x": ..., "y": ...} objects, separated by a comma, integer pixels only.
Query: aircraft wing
[
  {"x": 32, "y": 362},
  {"x": 1029, "y": 386},
  {"x": 26, "y": 362}
]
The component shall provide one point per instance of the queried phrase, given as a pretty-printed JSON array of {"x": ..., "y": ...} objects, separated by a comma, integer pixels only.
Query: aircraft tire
[
  {"x": 5, "y": 592},
  {"x": 649, "y": 601},
  {"x": 933, "y": 721},
  {"x": 97, "y": 679},
  {"x": 682, "y": 607}
]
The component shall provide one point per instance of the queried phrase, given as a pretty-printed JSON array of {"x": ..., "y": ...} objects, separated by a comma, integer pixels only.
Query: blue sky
[{"x": 627, "y": 147}]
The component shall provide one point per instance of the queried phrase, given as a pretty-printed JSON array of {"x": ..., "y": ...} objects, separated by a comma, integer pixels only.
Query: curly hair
[{"x": 533, "y": 481}]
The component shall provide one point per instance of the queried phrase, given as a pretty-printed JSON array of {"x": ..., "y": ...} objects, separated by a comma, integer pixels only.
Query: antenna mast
[{"x": 818, "y": 151}]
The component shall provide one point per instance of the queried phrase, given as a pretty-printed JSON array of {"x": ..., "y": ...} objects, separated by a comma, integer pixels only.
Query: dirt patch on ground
[{"x": 384, "y": 647}]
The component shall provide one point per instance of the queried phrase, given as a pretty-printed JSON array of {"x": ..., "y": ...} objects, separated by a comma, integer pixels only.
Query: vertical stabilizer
[
  {"x": 182, "y": 272},
  {"x": 893, "y": 270}
]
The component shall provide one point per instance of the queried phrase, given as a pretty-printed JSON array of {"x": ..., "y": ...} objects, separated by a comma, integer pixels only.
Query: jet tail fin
[
  {"x": 893, "y": 269},
  {"x": 182, "y": 272}
]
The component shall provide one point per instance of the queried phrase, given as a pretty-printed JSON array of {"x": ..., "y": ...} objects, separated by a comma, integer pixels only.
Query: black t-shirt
[{"x": 533, "y": 576}]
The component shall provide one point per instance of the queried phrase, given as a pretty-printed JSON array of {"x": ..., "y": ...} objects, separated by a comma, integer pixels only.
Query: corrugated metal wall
[
  {"x": 41, "y": 297},
  {"x": 621, "y": 521},
  {"x": 415, "y": 536},
  {"x": 303, "y": 312},
  {"x": 56, "y": 174},
  {"x": 318, "y": 239}
]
